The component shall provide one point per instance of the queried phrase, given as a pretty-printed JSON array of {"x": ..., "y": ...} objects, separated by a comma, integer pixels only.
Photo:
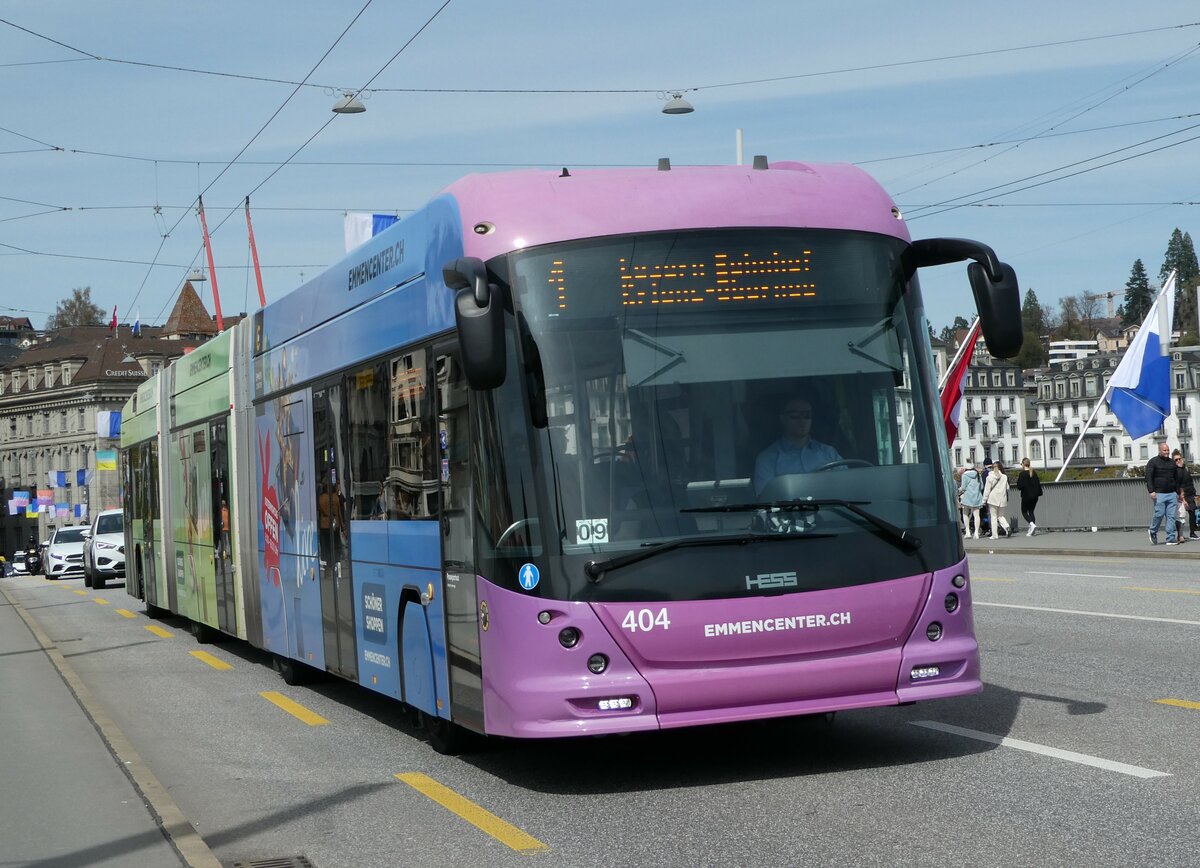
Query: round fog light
[
  {"x": 543, "y": 617},
  {"x": 597, "y": 663},
  {"x": 959, "y": 581},
  {"x": 568, "y": 637},
  {"x": 933, "y": 632},
  {"x": 952, "y": 602}
]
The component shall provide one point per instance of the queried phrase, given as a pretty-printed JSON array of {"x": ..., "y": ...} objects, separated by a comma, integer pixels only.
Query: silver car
[{"x": 104, "y": 549}]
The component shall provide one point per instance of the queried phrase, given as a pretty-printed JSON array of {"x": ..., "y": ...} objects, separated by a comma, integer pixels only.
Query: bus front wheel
[{"x": 444, "y": 736}]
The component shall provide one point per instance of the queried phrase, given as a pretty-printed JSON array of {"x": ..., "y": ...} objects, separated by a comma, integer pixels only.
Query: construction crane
[{"x": 1106, "y": 295}]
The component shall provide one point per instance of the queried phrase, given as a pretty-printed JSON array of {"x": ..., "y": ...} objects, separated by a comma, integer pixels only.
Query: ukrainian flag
[{"x": 106, "y": 459}]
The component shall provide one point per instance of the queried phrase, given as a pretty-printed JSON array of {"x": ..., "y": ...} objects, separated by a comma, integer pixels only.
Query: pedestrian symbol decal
[{"x": 529, "y": 577}]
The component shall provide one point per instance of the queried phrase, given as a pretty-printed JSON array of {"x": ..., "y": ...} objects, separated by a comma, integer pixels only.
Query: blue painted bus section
[
  {"x": 287, "y": 578},
  {"x": 330, "y": 322},
  {"x": 395, "y": 564}
]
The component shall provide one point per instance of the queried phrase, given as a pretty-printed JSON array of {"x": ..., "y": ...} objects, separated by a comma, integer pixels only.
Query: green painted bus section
[
  {"x": 199, "y": 404},
  {"x": 144, "y": 551}
]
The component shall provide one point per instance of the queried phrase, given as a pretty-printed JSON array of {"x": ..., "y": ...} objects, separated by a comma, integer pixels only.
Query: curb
[{"x": 1095, "y": 553}]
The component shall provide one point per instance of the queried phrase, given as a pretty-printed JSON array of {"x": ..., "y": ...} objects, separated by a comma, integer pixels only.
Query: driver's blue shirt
[{"x": 783, "y": 457}]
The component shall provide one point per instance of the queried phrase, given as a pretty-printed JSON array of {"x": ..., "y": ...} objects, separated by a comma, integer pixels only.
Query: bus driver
[{"x": 796, "y": 451}]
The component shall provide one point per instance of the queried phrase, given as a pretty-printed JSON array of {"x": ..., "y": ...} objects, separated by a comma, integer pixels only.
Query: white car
[
  {"x": 104, "y": 550},
  {"x": 17, "y": 562},
  {"x": 64, "y": 555}
]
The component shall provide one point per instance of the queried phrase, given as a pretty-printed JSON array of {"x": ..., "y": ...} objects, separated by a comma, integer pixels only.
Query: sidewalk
[
  {"x": 1104, "y": 543},
  {"x": 76, "y": 793}
]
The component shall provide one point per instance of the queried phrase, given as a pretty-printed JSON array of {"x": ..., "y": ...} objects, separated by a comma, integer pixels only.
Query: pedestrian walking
[
  {"x": 995, "y": 495},
  {"x": 970, "y": 498},
  {"x": 1187, "y": 499},
  {"x": 1163, "y": 483},
  {"x": 1030, "y": 487}
]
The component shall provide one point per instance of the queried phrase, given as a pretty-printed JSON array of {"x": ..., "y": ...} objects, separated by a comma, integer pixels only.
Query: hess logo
[{"x": 769, "y": 581}]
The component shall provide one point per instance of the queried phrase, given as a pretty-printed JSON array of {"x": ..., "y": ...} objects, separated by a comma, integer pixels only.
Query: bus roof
[{"x": 529, "y": 208}]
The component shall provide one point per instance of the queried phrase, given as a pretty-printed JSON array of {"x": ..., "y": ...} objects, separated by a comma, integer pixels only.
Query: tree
[
  {"x": 1033, "y": 315},
  {"x": 1071, "y": 325},
  {"x": 1181, "y": 258},
  {"x": 78, "y": 310},
  {"x": 1032, "y": 354},
  {"x": 947, "y": 335},
  {"x": 1138, "y": 296}
]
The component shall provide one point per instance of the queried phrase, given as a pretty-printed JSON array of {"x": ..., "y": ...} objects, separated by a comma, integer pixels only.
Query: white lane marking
[
  {"x": 1079, "y": 575},
  {"x": 1096, "y": 614},
  {"x": 1031, "y": 747}
]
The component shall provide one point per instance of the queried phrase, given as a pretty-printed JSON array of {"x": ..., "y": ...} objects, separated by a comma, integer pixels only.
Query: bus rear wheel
[{"x": 293, "y": 672}]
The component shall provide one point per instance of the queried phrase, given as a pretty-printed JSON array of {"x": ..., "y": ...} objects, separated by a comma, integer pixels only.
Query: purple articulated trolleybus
[{"x": 594, "y": 452}]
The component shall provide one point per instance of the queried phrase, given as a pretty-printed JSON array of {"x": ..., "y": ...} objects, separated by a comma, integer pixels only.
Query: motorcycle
[{"x": 33, "y": 561}]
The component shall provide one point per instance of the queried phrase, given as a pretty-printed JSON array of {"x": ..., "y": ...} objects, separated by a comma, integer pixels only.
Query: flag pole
[
  {"x": 262, "y": 300},
  {"x": 1164, "y": 348},
  {"x": 212, "y": 271},
  {"x": 958, "y": 355},
  {"x": 1082, "y": 432},
  {"x": 946, "y": 376}
]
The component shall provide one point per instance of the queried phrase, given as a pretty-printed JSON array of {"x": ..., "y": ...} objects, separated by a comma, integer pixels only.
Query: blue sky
[{"x": 134, "y": 135}]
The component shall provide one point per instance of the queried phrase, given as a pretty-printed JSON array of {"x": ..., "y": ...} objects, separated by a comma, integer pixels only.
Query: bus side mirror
[
  {"x": 479, "y": 318},
  {"x": 994, "y": 283},
  {"x": 999, "y": 306}
]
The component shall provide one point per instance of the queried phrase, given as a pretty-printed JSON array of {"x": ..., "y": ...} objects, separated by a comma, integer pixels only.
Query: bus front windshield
[{"x": 688, "y": 412}]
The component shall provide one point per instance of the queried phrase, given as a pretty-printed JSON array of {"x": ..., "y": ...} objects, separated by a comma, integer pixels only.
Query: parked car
[
  {"x": 16, "y": 564},
  {"x": 64, "y": 555},
  {"x": 104, "y": 549}
]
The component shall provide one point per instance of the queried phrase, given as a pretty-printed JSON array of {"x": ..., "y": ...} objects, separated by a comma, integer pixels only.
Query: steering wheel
[
  {"x": 514, "y": 528},
  {"x": 844, "y": 462}
]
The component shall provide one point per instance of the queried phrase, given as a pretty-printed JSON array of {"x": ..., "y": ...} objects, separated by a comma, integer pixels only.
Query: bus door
[
  {"x": 458, "y": 562},
  {"x": 333, "y": 531},
  {"x": 218, "y": 438}
]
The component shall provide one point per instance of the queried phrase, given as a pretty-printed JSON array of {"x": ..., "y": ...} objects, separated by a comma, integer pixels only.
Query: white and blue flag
[
  {"x": 1140, "y": 389},
  {"x": 361, "y": 228}
]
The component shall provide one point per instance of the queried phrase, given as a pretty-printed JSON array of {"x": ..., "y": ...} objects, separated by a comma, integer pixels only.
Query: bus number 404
[{"x": 645, "y": 620}]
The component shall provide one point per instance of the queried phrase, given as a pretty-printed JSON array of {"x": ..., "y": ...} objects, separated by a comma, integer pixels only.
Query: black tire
[
  {"x": 98, "y": 581},
  {"x": 87, "y": 579},
  {"x": 445, "y": 737},
  {"x": 293, "y": 672},
  {"x": 204, "y": 634}
]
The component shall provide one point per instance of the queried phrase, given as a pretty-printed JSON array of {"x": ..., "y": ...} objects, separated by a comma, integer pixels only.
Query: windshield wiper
[
  {"x": 895, "y": 534},
  {"x": 595, "y": 570}
]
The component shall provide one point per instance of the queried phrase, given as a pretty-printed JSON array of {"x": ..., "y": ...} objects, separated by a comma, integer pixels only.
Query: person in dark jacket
[
  {"x": 1187, "y": 495},
  {"x": 1162, "y": 481},
  {"x": 1031, "y": 490}
]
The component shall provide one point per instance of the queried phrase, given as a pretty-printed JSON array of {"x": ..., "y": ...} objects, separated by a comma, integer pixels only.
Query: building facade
[{"x": 52, "y": 396}]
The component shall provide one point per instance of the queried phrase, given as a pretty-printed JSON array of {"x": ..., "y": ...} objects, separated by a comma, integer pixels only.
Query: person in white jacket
[{"x": 995, "y": 495}]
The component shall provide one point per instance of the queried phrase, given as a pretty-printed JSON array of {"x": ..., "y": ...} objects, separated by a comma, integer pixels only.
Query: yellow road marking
[
  {"x": 1182, "y": 703},
  {"x": 100, "y": 600},
  {"x": 81, "y": 593},
  {"x": 1163, "y": 590},
  {"x": 158, "y": 631},
  {"x": 982, "y": 579},
  {"x": 214, "y": 662},
  {"x": 481, "y": 819},
  {"x": 125, "y": 613},
  {"x": 295, "y": 709}
]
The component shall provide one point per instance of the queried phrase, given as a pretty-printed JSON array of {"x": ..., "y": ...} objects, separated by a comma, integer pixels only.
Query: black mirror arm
[
  {"x": 468, "y": 273},
  {"x": 941, "y": 251}
]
